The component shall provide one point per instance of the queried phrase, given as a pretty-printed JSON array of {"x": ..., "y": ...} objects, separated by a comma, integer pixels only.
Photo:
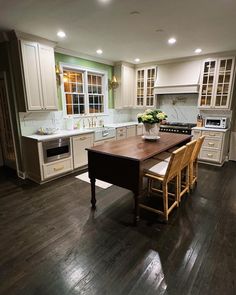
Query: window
[{"x": 84, "y": 91}]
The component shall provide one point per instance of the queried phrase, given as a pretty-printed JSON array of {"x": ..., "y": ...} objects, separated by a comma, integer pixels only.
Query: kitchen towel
[{"x": 99, "y": 183}]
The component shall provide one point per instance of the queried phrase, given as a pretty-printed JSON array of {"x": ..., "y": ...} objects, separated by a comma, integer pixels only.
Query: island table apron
[{"x": 120, "y": 162}]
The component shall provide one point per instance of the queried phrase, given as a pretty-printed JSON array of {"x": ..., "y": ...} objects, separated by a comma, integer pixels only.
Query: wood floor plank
[{"x": 52, "y": 243}]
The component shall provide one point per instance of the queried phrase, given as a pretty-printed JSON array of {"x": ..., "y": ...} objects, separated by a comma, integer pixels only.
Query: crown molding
[{"x": 81, "y": 55}]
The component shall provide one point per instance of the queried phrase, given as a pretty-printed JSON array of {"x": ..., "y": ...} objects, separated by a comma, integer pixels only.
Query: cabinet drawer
[
  {"x": 121, "y": 130},
  {"x": 215, "y": 134},
  {"x": 139, "y": 130},
  {"x": 212, "y": 143},
  {"x": 210, "y": 155},
  {"x": 131, "y": 131},
  {"x": 120, "y": 136},
  {"x": 56, "y": 168}
]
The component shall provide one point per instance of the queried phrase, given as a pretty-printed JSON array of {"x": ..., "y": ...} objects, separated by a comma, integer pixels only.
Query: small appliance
[{"x": 216, "y": 122}]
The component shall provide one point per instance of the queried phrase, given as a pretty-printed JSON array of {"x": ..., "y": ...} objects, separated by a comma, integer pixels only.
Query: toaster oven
[{"x": 216, "y": 122}]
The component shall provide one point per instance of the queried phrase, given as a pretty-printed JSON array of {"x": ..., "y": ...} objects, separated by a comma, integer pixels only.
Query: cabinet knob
[
  {"x": 211, "y": 144},
  {"x": 209, "y": 155}
]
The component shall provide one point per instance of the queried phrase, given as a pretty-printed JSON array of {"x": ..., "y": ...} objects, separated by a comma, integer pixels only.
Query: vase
[{"x": 151, "y": 131}]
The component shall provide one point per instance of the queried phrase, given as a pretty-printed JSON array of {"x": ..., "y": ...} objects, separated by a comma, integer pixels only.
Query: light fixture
[
  {"x": 58, "y": 73},
  {"x": 99, "y": 51},
  {"x": 172, "y": 41},
  {"x": 61, "y": 34},
  {"x": 137, "y": 60},
  {"x": 198, "y": 50},
  {"x": 113, "y": 83}
]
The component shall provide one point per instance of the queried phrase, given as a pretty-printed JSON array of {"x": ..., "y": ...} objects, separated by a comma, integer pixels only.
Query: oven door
[{"x": 56, "y": 149}]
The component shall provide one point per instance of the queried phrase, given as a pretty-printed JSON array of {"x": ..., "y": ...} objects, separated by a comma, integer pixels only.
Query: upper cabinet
[
  {"x": 124, "y": 94},
  {"x": 145, "y": 79},
  {"x": 39, "y": 76},
  {"x": 216, "y": 83}
]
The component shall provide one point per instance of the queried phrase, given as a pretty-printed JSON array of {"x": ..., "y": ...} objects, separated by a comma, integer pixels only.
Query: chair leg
[
  {"x": 177, "y": 193},
  {"x": 187, "y": 179},
  {"x": 165, "y": 200}
]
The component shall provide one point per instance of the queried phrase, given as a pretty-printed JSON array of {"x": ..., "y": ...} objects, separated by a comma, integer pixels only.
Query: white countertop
[
  {"x": 210, "y": 129},
  {"x": 58, "y": 134},
  {"x": 125, "y": 124}
]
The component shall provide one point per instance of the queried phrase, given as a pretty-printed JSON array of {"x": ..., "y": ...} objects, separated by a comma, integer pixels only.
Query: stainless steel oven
[{"x": 56, "y": 149}]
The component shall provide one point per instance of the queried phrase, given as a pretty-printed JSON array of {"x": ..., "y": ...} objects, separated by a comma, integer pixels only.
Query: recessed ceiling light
[
  {"x": 99, "y": 51},
  {"x": 61, "y": 34},
  {"x": 137, "y": 60},
  {"x": 172, "y": 41},
  {"x": 198, "y": 50},
  {"x": 104, "y": 1}
]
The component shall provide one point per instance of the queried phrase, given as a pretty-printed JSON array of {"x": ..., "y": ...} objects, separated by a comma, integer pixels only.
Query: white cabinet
[
  {"x": 57, "y": 168},
  {"x": 216, "y": 83},
  {"x": 215, "y": 146},
  {"x": 139, "y": 129},
  {"x": 39, "y": 75},
  {"x": 124, "y": 94},
  {"x": 121, "y": 133},
  {"x": 130, "y": 131},
  {"x": 145, "y": 79},
  {"x": 80, "y": 143}
]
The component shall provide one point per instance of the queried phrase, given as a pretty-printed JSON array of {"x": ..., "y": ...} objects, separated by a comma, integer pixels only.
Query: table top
[{"x": 136, "y": 148}]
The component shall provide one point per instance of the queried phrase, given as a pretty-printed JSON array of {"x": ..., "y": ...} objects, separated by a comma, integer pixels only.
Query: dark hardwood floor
[{"x": 51, "y": 243}]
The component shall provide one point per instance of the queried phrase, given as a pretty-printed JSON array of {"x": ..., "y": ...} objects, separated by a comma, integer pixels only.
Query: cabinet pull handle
[
  {"x": 58, "y": 168},
  {"x": 209, "y": 155},
  {"x": 211, "y": 144},
  {"x": 212, "y": 134},
  {"x": 82, "y": 138}
]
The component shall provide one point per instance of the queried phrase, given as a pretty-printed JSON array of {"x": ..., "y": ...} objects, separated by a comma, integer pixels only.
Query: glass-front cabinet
[
  {"x": 216, "y": 83},
  {"x": 145, "y": 79}
]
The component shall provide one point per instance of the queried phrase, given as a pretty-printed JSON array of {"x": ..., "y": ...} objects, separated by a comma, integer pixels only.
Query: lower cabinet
[
  {"x": 58, "y": 167},
  {"x": 80, "y": 143},
  {"x": 130, "y": 131},
  {"x": 104, "y": 141},
  {"x": 215, "y": 146},
  {"x": 139, "y": 129},
  {"x": 121, "y": 133}
]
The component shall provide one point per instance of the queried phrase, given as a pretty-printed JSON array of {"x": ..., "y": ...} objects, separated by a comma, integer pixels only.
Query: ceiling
[{"x": 108, "y": 24}]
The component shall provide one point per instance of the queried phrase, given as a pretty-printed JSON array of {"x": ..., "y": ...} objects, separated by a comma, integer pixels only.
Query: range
[{"x": 176, "y": 127}]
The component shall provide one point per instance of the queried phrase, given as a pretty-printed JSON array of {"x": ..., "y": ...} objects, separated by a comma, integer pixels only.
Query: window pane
[
  {"x": 75, "y": 98},
  {"x": 69, "y": 109},
  {"x": 68, "y": 98}
]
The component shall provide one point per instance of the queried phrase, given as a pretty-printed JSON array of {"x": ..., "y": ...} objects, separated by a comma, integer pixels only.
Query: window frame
[{"x": 85, "y": 71}]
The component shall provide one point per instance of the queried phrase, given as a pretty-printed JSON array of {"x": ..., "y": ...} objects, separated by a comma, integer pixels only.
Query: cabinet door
[
  {"x": 127, "y": 81},
  {"x": 150, "y": 80},
  {"x": 31, "y": 68},
  {"x": 80, "y": 143},
  {"x": 223, "y": 83},
  {"x": 208, "y": 78},
  {"x": 130, "y": 131},
  {"x": 140, "y": 87},
  {"x": 48, "y": 77}
]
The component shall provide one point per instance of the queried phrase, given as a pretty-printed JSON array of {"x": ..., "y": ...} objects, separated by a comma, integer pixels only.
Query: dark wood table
[{"x": 119, "y": 162}]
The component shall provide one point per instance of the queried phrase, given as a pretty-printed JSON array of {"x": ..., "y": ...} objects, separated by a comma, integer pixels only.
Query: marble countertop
[
  {"x": 59, "y": 133},
  {"x": 125, "y": 124},
  {"x": 210, "y": 129}
]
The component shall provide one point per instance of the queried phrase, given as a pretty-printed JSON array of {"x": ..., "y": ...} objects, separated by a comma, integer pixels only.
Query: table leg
[
  {"x": 93, "y": 197},
  {"x": 136, "y": 208}
]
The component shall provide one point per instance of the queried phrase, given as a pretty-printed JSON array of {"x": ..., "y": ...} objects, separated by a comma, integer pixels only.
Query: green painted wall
[{"x": 59, "y": 57}]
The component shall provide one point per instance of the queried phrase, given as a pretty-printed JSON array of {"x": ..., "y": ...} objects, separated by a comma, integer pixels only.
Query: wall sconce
[
  {"x": 58, "y": 74},
  {"x": 113, "y": 83}
]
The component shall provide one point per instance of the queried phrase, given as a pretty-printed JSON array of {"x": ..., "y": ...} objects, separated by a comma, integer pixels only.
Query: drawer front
[
  {"x": 213, "y": 134},
  {"x": 210, "y": 155},
  {"x": 121, "y": 136},
  {"x": 121, "y": 130},
  {"x": 212, "y": 143},
  {"x": 56, "y": 168},
  {"x": 139, "y": 130},
  {"x": 131, "y": 131}
]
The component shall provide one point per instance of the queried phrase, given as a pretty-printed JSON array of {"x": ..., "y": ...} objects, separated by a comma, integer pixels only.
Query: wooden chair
[
  {"x": 184, "y": 183},
  {"x": 193, "y": 167},
  {"x": 165, "y": 172}
]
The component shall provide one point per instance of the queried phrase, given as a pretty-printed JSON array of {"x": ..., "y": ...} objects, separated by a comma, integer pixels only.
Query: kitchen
[{"x": 90, "y": 93}]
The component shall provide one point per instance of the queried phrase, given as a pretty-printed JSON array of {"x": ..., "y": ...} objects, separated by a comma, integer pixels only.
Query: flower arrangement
[{"x": 151, "y": 116}]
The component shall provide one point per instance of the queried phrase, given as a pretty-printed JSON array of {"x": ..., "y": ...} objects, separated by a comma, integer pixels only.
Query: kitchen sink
[{"x": 101, "y": 133}]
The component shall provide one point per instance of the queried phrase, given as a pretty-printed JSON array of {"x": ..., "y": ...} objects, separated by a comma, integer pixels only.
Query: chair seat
[
  {"x": 158, "y": 169},
  {"x": 164, "y": 156}
]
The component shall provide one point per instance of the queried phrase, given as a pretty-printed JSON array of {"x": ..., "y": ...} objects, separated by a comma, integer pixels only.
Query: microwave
[{"x": 216, "y": 122}]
